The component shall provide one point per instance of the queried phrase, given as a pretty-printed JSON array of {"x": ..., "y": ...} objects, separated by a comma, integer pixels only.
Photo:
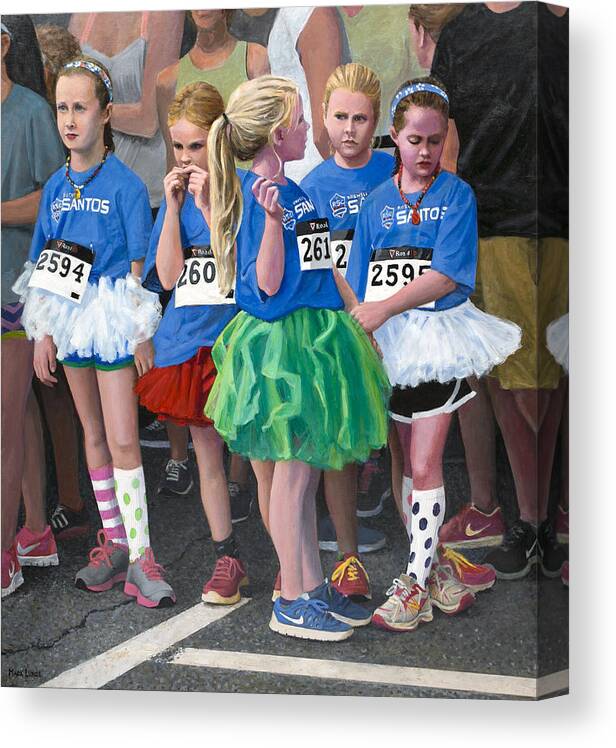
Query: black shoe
[
  {"x": 177, "y": 478},
  {"x": 67, "y": 524},
  {"x": 552, "y": 554},
  {"x": 241, "y": 502},
  {"x": 154, "y": 435},
  {"x": 368, "y": 539},
  {"x": 371, "y": 504},
  {"x": 517, "y": 553}
]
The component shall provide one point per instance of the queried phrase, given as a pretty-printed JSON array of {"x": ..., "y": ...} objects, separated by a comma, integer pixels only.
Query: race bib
[
  {"x": 313, "y": 244},
  {"x": 393, "y": 268},
  {"x": 198, "y": 283},
  {"x": 63, "y": 268},
  {"x": 341, "y": 249}
]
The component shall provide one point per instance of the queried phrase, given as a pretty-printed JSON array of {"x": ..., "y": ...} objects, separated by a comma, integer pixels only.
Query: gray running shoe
[
  {"x": 145, "y": 581},
  {"x": 107, "y": 565}
]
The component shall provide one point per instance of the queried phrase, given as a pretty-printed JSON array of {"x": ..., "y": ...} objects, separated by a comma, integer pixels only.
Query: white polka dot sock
[
  {"x": 428, "y": 510},
  {"x": 407, "y": 500},
  {"x": 130, "y": 492}
]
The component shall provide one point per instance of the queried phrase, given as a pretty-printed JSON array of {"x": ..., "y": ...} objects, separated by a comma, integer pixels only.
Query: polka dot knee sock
[
  {"x": 407, "y": 501},
  {"x": 428, "y": 511},
  {"x": 130, "y": 490}
]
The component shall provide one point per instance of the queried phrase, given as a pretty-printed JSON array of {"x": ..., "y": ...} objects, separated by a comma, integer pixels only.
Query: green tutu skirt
[{"x": 307, "y": 387}]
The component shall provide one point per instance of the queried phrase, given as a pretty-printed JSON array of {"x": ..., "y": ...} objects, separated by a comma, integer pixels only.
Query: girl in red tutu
[{"x": 180, "y": 258}]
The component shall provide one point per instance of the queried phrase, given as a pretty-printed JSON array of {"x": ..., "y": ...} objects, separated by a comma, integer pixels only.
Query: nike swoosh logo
[
  {"x": 23, "y": 551},
  {"x": 298, "y": 621},
  {"x": 469, "y": 532},
  {"x": 531, "y": 550}
]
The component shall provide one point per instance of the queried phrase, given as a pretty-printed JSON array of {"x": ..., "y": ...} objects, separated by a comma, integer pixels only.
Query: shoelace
[
  {"x": 234, "y": 489},
  {"x": 405, "y": 596},
  {"x": 513, "y": 535},
  {"x": 313, "y": 610},
  {"x": 101, "y": 554},
  {"x": 173, "y": 469},
  {"x": 224, "y": 568},
  {"x": 58, "y": 518},
  {"x": 151, "y": 568},
  {"x": 351, "y": 566},
  {"x": 155, "y": 427}
]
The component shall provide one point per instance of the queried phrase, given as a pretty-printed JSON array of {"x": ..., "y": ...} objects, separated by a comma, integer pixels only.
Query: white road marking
[
  {"x": 100, "y": 670},
  {"x": 487, "y": 683}
]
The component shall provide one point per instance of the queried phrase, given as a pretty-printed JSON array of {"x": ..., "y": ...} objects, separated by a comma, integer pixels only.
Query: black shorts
[{"x": 428, "y": 399}]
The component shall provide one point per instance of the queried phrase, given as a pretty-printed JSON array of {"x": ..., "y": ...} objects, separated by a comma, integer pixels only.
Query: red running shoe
[
  {"x": 474, "y": 576},
  {"x": 224, "y": 586},
  {"x": 564, "y": 574},
  {"x": 350, "y": 578},
  {"x": 472, "y": 528},
  {"x": 12, "y": 577},
  {"x": 561, "y": 525},
  {"x": 36, "y": 548},
  {"x": 277, "y": 587}
]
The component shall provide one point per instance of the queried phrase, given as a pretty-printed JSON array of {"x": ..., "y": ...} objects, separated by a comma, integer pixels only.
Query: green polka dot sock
[{"x": 133, "y": 506}]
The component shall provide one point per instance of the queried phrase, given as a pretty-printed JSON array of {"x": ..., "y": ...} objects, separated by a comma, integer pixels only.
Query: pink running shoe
[
  {"x": 145, "y": 581},
  {"x": 12, "y": 577},
  {"x": 36, "y": 548},
  {"x": 561, "y": 525},
  {"x": 472, "y": 528},
  {"x": 223, "y": 588},
  {"x": 107, "y": 565},
  {"x": 474, "y": 576}
]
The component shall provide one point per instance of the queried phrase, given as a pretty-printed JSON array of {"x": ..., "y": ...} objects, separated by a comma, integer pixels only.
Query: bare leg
[
  {"x": 119, "y": 406},
  {"x": 428, "y": 439},
  {"x": 548, "y": 437},
  {"x": 239, "y": 470},
  {"x": 60, "y": 416},
  {"x": 84, "y": 388},
  {"x": 16, "y": 380},
  {"x": 264, "y": 470},
  {"x": 312, "y": 571},
  {"x": 178, "y": 441},
  {"x": 341, "y": 499},
  {"x": 33, "y": 483},
  {"x": 286, "y": 517},
  {"x": 477, "y": 428},
  {"x": 397, "y": 465},
  {"x": 564, "y": 436},
  {"x": 213, "y": 482}
]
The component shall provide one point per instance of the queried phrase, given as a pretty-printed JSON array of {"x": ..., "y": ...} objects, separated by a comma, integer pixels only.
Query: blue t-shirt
[
  {"x": 185, "y": 329},
  {"x": 299, "y": 288},
  {"x": 338, "y": 195},
  {"x": 112, "y": 217},
  {"x": 445, "y": 239}
]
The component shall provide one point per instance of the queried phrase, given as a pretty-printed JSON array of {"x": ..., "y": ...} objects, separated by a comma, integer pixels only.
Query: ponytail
[{"x": 225, "y": 201}]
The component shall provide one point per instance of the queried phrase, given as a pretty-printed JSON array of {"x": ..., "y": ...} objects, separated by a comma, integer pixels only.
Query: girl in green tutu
[{"x": 299, "y": 384}]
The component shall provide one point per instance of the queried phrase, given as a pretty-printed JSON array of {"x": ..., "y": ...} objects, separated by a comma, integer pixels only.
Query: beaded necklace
[
  {"x": 79, "y": 187},
  {"x": 415, "y": 217}
]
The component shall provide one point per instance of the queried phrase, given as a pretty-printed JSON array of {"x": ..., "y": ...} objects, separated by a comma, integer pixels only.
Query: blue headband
[
  {"x": 415, "y": 88},
  {"x": 96, "y": 70}
]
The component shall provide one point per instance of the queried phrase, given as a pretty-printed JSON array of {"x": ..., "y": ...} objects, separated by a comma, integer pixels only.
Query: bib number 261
[{"x": 313, "y": 245}]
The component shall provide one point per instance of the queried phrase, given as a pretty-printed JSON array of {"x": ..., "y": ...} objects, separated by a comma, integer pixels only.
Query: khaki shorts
[{"x": 525, "y": 281}]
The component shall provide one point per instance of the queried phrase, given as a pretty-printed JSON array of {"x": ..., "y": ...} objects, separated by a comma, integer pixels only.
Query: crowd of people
[{"x": 304, "y": 312}]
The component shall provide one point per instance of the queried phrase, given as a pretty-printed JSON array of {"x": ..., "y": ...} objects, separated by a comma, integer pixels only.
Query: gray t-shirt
[{"x": 31, "y": 152}]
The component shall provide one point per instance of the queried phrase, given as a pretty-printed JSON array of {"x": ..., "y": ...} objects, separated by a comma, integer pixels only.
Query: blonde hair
[
  {"x": 199, "y": 103},
  {"x": 256, "y": 108},
  {"x": 355, "y": 78},
  {"x": 435, "y": 16}
]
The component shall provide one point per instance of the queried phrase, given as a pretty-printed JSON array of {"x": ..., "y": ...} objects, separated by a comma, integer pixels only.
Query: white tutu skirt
[
  {"x": 420, "y": 346},
  {"x": 111, "y": 320},
  {"x": 557, "y": 339}
]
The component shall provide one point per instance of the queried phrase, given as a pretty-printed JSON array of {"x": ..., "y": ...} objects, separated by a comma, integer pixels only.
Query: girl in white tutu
[
  {"x": 85, "y": 307},
  {"x": 413, "y": 263}
]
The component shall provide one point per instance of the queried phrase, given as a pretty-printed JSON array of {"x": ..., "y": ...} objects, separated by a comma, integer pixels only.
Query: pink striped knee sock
[{"x": 104, "y": 491}]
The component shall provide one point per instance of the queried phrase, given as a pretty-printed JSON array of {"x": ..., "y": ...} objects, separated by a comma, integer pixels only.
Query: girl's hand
[
  {"x": 45, "y": 361},
  {"x": 198, "y": 186},
  {"x": 144, "y": 357},
  {"x": 370, "y": 315},
  {"x": 174, "y": 185},
  {"x": 267, "y": 195}
]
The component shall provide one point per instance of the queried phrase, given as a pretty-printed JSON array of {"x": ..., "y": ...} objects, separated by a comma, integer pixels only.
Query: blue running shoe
[
  {"x": 308, "y": 619},
  {"x": 340, "y": 606}
]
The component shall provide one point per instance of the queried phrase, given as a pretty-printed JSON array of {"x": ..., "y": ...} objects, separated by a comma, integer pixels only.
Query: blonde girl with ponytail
[
  {"x": 299, "y": 385},
  {"x": 180, "y": 259}
]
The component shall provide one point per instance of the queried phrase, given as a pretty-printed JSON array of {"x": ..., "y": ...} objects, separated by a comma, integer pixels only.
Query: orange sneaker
[{"x": 350, "y": 578}]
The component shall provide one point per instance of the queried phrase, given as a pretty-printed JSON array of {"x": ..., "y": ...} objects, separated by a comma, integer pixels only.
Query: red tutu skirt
[{"x": 179, "y": 393}]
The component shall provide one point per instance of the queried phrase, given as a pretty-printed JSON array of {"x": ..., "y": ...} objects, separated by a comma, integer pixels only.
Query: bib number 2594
[{"x": 63, "y": 268}]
